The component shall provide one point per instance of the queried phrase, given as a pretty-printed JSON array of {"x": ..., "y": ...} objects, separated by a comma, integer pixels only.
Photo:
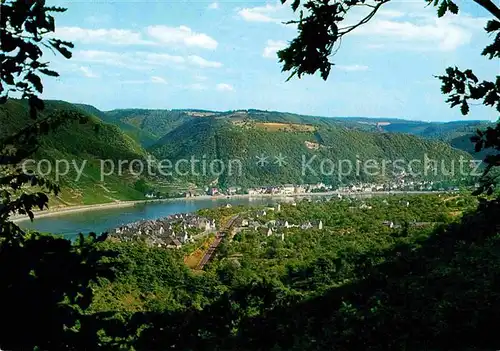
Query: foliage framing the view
[
  {"x": 26, "y": 26},
  {"x": 321, "y": 31},
  {"x": 356, "y": 284}
]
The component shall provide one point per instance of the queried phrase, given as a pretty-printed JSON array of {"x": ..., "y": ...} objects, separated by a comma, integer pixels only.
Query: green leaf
[
  {"x": 492, "y": 25},
  {"x": 65, "y": 52},
  {"x": 36, "y": 81},
  {"x": 49, "y": 72},
  {"x": 464, "y": 108},
  {"x": 452, "y": 7},
  {"x": 60, "y": 46},
  {"x": 37, "y": 103},
  {"x": 442, "y": 9}
]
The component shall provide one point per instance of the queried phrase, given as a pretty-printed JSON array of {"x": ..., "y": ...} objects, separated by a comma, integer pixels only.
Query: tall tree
[
  {"x": 321, "y": 29},
  {"x": 26, "y": 28},
  {"x": 45, "y": 282}
]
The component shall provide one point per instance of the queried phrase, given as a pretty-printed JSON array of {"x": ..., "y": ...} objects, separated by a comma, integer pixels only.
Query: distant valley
[
  {"x": 241, "y": 135},
  {"x": 148, "y": 126}
]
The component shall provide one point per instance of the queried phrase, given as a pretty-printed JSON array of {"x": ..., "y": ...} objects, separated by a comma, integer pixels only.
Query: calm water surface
[{"x": 101, "y": 220}]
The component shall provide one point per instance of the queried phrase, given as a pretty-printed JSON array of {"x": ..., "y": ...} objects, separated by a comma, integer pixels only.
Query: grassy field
[
  {"x": 194, "y": 258},
  {"x": 287, "y": 127}
]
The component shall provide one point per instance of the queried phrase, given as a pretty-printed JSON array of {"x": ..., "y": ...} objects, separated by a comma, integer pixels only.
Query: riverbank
[
  {"x": 83, "y": 208},
  {"x": 118, "y": 204}
]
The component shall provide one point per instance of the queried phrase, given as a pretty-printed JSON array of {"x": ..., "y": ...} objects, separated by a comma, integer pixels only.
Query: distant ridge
[
  {"x": 246, "y": 140},
  {"x": 148, "y": 126},
  {"x": 80, "y": 142}
]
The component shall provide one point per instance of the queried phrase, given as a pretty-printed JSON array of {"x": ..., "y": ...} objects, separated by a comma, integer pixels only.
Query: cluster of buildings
[
  {"x": 393, "y": 225},
  {"x": 293, "y": 189},
  {"x": 399, "y": 184},
  {"x": 290, "y": 189},
  {"x": 214, "y": 191},
  {"x": 273, "y": 227},
  {"x": 168, "y": 232}
]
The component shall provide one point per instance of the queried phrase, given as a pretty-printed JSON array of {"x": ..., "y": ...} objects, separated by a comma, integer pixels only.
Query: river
[
  {"x": 104, "y": 219},
  {"x": 101, "y": 220}
]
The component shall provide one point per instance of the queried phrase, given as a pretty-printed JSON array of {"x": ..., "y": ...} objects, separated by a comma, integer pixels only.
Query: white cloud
[
  {"x": 87, "y": 72},
  {"x": 141, "y": 60},
  {"x": 181, "y": 35},
  {"x": 213, "y": 6},
  {"x": 272, "y": 47},
  {"x": 200, "y": 77},
  {"x": 158, "y": 80},
  {"x": 101, "y": 36},
  {"x": 201, "y": 62},
  {"x": 152, "y": 35},
  {"x": 267, "y": 13},
  {"x": 153, "y": 79},
  {"x": 443, "y": 36},
  {"x": 105, "y": 57},
  {"x": 99, "y": 18},
  {"x": 197, "y": 86},
  {"x": 135, "y": 82},
  {"x": 160, "y": 59},
  {"x": 224, "y": 87},
  {"x": 351, "y": 68},
  {"x": 420, "y": 29},
  {"x": 375, "y": 46},
  {"x": 390, "y": 13}
]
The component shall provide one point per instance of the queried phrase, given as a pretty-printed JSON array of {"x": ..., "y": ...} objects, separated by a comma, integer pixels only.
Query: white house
[
  {"x": 307, "y": 225},
  {"x": 185, "y": 238}
]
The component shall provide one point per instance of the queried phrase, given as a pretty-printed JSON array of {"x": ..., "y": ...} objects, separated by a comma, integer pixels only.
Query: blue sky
[{"x": 221, "y": 55}]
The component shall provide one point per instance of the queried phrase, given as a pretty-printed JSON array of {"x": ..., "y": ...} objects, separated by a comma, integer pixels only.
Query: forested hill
[
  {"x": 148, "y": 126},
  {"x": 234, "y": 140},
  {"x": 239, "y": 136},
  {"x": 74, "y": 141},
  {"x": 144, "y": 126}
]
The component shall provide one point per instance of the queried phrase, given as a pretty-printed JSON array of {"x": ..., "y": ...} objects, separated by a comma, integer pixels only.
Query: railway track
[{"x": 218, "y": 239}]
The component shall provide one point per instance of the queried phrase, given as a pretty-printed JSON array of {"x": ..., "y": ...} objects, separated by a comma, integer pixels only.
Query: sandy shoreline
[
  {"x": 118, "y": 204},
  {"x": 83, "y": 208}
]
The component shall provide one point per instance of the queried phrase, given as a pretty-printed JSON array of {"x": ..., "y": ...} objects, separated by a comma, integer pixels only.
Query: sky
[{"x": 169, "y": 54}]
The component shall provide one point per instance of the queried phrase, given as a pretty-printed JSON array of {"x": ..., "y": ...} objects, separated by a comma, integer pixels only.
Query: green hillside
[
  {"x": 313, "y": 149},
  {"x": 77, "y": 142},
  {"x": 142, "y": 137},
  {"x": 456, "y": 133},
  {"x": 147, "y": 125},
  {"x": 234, "y": 140}
]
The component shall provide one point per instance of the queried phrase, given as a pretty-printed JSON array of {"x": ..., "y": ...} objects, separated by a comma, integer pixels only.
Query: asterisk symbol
[
  {"x": 261, "y": 160},
  {"x": 280, "y": 160}
]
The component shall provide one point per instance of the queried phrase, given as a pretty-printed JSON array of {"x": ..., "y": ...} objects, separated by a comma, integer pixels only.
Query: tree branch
[
  {"x": 490, "y": 7},
  {"x": 366, "y": 19}
]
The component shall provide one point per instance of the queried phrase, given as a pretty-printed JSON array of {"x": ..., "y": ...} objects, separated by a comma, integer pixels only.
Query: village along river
[
  {"x": 101, "y": 220},
  {"x": 104, "y": 219}
]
